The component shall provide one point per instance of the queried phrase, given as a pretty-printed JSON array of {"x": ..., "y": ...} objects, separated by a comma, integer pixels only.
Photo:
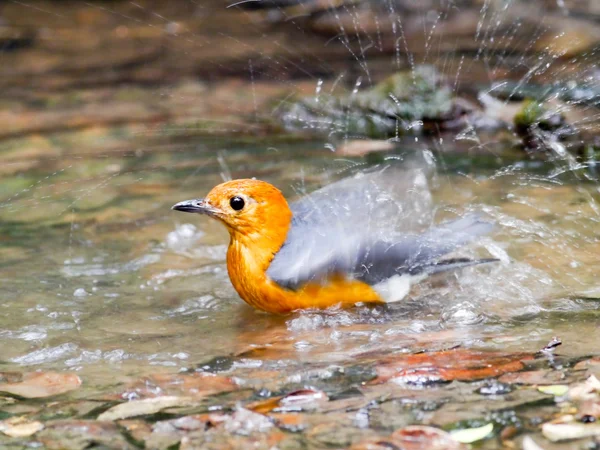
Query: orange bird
[{"x": 328, "y": 248}]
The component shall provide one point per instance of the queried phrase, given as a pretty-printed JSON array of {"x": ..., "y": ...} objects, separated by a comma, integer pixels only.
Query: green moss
[{"x": 531, "y": 113}]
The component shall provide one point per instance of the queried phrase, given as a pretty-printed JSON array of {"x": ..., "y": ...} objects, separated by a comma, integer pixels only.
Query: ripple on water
[
  {"x": 193, "y": 306},
  {"x": 329, "y": 318},
  {"x": 46, "y": 355},
  {"x": 32, "y": 333},
  {"x": 98, "y": 270},
  {"x": 80, "y": 292},
  {"x": 183, "y": 237}
]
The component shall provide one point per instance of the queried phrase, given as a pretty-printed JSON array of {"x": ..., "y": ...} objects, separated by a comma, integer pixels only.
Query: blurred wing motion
[{"x": 352, "y": 227}]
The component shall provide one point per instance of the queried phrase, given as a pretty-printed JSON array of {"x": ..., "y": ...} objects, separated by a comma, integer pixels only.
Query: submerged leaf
[
  {"x": 301, "y": 400},
  {"x": 557, "y": 390},
  {"x": 470, "y": 435},
  {"x": 144, "y": 407},
  {"x": 42, "y": 384},
  {"x": 417, "y": 437},
  {"x": 448, "y": 365}
]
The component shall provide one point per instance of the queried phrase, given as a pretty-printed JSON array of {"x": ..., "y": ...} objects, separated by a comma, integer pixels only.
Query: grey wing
[
  {"x": 387, "y": 200},
  {"x": 330, "y": 226},
  {"x": 314, "y": 255}
]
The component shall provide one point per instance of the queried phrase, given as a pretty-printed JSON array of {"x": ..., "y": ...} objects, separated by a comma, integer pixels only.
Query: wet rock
[
  {"x": 557, "y": 432},
  {"x": 139, "y": 431},
  {"x": 220, "y": 441},
  {"x": 589, "y": 411},
  {"x": 412, "y": 437},
  {"x": 587, "y": 390},
  {"x": 82, "y": 434},
  {"x": 411, "y": 102},
  {"x": 14, "y": 38},
  {"x": 166, "y": 433},
  {"x": 500, "y": 410},
  {"x": 376, "y": 444},
  {"x": 20, "y": 427},
  {"x": 390, "y": 415},
  {"x": 591, "y": 366},
  {"x": 337, "y": 435},
  {"x": 544, "y": 377},
  {"x": 495, "y": 387},
  {"x": 245, "y": 422},
  {"x": 75, "y": 409}
]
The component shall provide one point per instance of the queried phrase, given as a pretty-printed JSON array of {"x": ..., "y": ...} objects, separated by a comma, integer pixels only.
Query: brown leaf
[
  {"x": 508, "y": 432},
  {"x": 301, "y": 400},
  {"x": 288, "y": 421},
  {"x": 448, "y": 365},
  {"x": 264, "y": 406},
  {"x": 41, "y": 384},
  {"x": 416, "y": 437}
]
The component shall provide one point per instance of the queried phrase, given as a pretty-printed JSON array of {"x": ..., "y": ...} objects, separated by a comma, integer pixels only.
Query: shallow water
[
  {"x": 99, "y": 276},
  {"x": 114, "y": 111}
]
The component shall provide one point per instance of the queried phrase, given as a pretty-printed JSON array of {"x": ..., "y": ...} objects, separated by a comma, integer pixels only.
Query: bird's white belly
[{"x": 397, "y": 287}]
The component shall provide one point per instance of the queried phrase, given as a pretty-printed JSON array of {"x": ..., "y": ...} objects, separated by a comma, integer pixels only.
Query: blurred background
[{"x": 226, "y": 68}]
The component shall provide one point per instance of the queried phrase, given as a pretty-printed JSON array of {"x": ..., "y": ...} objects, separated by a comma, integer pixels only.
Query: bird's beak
[{"x": 198, "y": 206}]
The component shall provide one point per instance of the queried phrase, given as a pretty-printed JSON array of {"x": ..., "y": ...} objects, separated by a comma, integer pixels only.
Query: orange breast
[
  {"x": 252, "y": 284},
  {"x": 265, "y": 294}
]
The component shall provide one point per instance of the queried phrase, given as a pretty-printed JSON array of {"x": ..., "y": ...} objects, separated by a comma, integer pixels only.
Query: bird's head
[{"x": 252, "y": 210}]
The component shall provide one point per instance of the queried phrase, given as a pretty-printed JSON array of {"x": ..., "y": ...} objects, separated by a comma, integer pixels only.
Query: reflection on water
[{"x": 100, "y": 276}]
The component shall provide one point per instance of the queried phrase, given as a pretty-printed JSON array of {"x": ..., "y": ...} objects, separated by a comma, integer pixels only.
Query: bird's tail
[{"x": 447, "y": 265}]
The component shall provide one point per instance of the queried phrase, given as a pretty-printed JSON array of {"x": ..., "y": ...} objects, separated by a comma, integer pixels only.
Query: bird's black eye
[{"x": 236, "y": 203}]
